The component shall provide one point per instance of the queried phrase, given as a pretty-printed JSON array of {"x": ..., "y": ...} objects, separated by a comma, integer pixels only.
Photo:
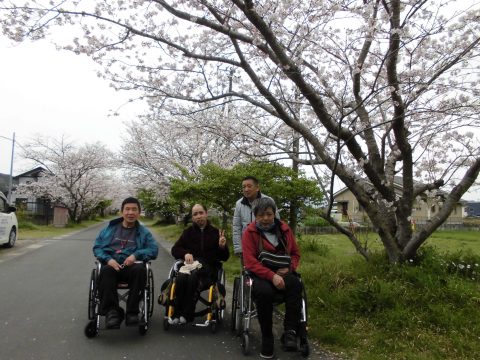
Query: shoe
[
  {"x": 113, "y": 319},
  {"x": 182, "y": 320},
  {"x": 173, "y": 321},
  {"x": 131, "y": 319},
  {"x": 267, "y": 348},
  {"x": 290, "y": 340}
]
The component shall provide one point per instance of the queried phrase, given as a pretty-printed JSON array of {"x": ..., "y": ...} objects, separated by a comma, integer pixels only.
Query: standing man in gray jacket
[{"x": 243, "y": 214}]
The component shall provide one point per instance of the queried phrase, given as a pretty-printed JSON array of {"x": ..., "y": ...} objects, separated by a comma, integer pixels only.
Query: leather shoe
[
  {"x": 131, "y": 319},
  {"x": 113, "y": 319}
]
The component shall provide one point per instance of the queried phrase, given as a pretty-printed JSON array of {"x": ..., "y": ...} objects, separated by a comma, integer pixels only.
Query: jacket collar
[
  {"x": 119, "y": 220},
  {"x": 197, "y": 228},
  {"x": 246, "y": 202}
]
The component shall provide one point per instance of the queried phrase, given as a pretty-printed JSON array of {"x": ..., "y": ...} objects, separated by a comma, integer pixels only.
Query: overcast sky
[{"x": 54, "y": 93}]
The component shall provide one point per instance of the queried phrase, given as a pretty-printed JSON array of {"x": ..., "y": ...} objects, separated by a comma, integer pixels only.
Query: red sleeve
[{"x": 250, "y": 254}]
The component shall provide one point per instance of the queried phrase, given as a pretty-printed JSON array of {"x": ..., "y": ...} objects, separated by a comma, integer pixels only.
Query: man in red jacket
[{"x": 269, "y": 234}]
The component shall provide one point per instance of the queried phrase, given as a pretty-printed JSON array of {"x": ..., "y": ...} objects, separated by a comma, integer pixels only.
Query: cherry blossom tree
[
  {"x": 157, "y": 149},
  {"x": 369, "y": 89},
  {"x": 76, "y": 176}
]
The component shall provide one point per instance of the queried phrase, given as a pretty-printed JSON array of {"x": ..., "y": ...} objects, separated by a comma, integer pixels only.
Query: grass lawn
[
  {"x": 32, "y": 231},
  {"x": 428, "y": 309}
]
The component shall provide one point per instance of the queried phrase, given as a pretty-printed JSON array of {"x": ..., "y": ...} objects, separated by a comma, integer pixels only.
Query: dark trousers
[
  {"x": 186, "y": 292},
  {"x": 265, "y": 293},
  {"x": 135, "y": 276}
]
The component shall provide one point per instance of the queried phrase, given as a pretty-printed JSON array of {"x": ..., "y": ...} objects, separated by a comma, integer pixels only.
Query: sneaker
[
  {"x": 113, "y": 319},
  {"x": 267, "y": 348},
  {"x": 173, "y": 321},
  {"x": 290, "y": 340},
  {"x": 131, "y": 319},
  {"x": 182, "y": 320}
]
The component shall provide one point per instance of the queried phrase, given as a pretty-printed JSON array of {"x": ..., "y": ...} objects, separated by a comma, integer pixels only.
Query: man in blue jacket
[{"x": 118, "y": 246}]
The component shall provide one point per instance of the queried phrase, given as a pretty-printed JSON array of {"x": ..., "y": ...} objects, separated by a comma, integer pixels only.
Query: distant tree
[
  {"x": 101, "y": 207},
  {"x": 221, "y": 187},
  {"x": 374, "y": 89},
  {"x": 76, "y": 176},
  {"x": 156, "y": 150},
  {"x": 153, "y": 205}
]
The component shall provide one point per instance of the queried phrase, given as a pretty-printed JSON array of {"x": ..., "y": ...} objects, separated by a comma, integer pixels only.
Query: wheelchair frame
[
  {"x": 243, "y": 311},
  {"x": 145, "y": 304},
  {"x": 214, "y": 307}
]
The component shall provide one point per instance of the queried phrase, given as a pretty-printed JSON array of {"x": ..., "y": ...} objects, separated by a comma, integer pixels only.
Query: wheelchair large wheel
[
  {"x": 150, "y": 292},
  {"x": 92, "y": 295},
  {"x": 236, "y": 314},
  {"x": 223, "y": 305}
]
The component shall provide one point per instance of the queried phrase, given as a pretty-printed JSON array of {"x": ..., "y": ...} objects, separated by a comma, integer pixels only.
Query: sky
[{"x": 54, "y": 93}]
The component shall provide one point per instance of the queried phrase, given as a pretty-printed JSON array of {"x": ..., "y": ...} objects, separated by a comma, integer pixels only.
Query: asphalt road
[{"x": 43, "y": 311}]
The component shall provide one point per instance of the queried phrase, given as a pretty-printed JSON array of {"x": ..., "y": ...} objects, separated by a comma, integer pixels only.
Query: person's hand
[
  {"x": 114, "y": 264},
  {"x": 222, "y": 240},
  {"x": 129, "y": 261},
  {"x": 278, "y": 282},
  {"x": 283, "y": 271},
  {"x": 188, "y": 258}
]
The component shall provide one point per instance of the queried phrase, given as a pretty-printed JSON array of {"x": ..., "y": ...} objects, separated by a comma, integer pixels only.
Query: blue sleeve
[
  {"x": 150, "y": 248},
  {"x": 100, "y": 246}
]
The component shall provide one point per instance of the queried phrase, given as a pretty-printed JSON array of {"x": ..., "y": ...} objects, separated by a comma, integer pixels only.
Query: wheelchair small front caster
[
  {"x": 91, "y": 329},
  {"x": 142, "y": 329},
  {"x": 304, "y": 348},
  {"x": 213, "y": 327},
  {"x": 245, "y": 344}
]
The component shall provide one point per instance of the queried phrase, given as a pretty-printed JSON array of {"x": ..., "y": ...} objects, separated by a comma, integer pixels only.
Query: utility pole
[{"x": 10, "y": 182}]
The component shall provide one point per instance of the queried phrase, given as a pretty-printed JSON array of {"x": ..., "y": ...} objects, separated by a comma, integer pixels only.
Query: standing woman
[
  {"x": 202, "y": 243},
  {"x": 271, "y": 253}
]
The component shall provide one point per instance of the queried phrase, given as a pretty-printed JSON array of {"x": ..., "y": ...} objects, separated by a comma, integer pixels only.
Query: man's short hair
[
  {"x": 261, "y": 204},
  {"x": 249, "y": 177},
  {"x": 131, "y": 200}
]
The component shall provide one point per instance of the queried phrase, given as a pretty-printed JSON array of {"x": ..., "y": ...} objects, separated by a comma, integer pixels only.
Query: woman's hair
[{"x": 261, "y": 204}]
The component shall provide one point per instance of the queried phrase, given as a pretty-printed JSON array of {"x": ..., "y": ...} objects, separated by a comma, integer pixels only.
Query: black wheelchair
[
  {"x": 211, "y": 296},
  {"x": 97, "y": 322},
  {"x": 243, "y": 311}
]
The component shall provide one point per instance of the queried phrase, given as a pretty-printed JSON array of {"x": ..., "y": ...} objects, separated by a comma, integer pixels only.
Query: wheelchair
[
  {"x": 243, "y": 311},
  {"x": 213, "y": 302},
  {"x": 145, "y": 305}
]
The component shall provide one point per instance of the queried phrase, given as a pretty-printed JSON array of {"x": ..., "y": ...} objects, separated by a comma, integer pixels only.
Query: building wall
[{"x": 421, "y": 213}]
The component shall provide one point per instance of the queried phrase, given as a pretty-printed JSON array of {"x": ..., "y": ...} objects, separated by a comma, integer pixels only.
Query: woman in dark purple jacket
[{"x": 200, "y": 242}]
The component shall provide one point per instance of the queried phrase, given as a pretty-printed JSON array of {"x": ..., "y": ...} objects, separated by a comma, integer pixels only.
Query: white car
[{"x": 8, "y": 223}]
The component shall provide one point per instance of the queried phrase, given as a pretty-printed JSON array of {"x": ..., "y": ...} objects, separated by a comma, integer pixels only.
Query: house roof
[{"x": 32, "y": 173}]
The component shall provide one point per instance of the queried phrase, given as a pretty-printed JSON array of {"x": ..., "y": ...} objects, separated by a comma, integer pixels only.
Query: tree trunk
[{"x": 293, "y": 218}]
